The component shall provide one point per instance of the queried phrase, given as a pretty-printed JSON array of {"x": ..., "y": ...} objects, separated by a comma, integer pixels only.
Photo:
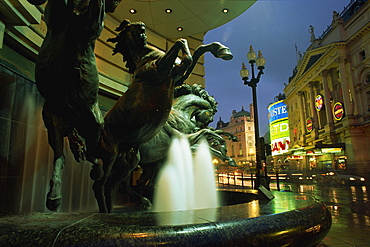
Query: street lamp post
[{"x": 244, "y": 73}]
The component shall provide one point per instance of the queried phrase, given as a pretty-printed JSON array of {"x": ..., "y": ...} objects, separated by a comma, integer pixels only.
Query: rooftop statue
[
  {"x": 67, "y": 77},
  {"x": 144, "y": 108}
]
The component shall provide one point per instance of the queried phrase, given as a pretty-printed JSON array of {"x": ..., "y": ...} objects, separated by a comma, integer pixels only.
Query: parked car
[
  {"x": 339, "y": 177},
  {"x": 299, "y": 176},
  {"x": 283, "y": 175},
  {"x": 292, "y": 176}
]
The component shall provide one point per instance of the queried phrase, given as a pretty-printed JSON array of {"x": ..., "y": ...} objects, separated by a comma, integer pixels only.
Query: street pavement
[{"x": 349, "y": 206}]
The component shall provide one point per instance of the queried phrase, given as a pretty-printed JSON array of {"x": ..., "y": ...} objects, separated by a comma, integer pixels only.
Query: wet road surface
[{"x": 350, "y": 209}]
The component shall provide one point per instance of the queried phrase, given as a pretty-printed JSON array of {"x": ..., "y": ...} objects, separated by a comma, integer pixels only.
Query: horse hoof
[
  {"x": 232, "y": 163},
  {"x": 53, "y": 205},
  {"x": 145, "y": 203},
  {"x": 96, "y": 172},
  {"x": 224, "y": 53}
]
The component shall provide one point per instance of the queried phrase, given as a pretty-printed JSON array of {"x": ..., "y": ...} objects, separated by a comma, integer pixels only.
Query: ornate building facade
[
  {"x": 328, "y": 96},
  {"x": 242, "y": 126}
]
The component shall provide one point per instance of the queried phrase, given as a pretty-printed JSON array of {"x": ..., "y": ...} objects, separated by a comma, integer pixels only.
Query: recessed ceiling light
[
  {"x": 180, "y": 29},
  {"x": 132, "y": 11},
  {"x": 168, "y": 11},
  {"x": 225, "y": 10}
]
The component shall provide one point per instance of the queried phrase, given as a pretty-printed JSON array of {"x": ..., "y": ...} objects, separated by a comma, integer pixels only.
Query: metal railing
[{"x": 244, "y": 180}]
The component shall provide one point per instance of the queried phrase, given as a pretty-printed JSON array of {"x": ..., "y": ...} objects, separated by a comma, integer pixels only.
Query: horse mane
[
  {"x": 178, "y": 118},
  {"x": 122, "y": 45},
  {"x": 197, "y": 90}
]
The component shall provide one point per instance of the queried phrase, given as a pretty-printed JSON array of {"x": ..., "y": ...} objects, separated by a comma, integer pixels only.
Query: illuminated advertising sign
[
  {"x": 277, "y": 111},
  {"x": 338, "y": 111},
  {"x": 309, "y": 125},
  {"x": 332, "y": 150},
  {"x": 279, "y": 146},
  {"x": 319, "y": 102},
  {"x": 279, "y": 128}
]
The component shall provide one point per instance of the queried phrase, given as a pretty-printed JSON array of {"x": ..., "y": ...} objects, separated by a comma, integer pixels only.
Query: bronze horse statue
[
  {"x": 143, "y": 109},
  {"x": 192, "y": 111},
  {"x": 67, "y": 77}
]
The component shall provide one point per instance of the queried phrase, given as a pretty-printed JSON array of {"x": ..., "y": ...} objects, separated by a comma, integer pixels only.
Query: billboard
[
  {"x": 277, "y": 111},
  {"x": 279, "y": 128}
]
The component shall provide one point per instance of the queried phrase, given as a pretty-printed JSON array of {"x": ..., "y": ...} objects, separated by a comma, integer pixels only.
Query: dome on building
[{"x": 242, "y": 113}]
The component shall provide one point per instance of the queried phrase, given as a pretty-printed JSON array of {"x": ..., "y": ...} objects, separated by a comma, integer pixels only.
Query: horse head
[
  {"x": 131, "y": 37},
  {"x": 196, "y": 104}
]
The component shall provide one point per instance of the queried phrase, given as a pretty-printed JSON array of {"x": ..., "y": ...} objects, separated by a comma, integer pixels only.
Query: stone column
[
  {"x": 311, "y": 86},
  {"x": 328, "y": 106},
  {"x": 348, "y": 107},
  {"x": 301, "y": 116},
  {"x": 351, "y": 82}
]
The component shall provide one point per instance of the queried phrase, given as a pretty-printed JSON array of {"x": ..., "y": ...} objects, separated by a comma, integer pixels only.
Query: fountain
[
  {"x": 186, "y": 183},
  {"x": 287, "y": 220}
]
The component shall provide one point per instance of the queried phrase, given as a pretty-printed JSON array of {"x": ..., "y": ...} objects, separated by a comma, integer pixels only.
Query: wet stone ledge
[{"x": 287, "y": 220}]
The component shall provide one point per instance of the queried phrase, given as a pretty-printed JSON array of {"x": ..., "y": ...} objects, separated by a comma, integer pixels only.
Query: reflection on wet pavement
[{"x": 350, "y": 209}]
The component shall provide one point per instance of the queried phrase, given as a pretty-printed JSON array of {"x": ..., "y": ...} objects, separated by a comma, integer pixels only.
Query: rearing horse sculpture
[
  {"x": 67, "y": 77},
  {"x": 143, "y": 109},
  {"x": 192, "y": 111}
]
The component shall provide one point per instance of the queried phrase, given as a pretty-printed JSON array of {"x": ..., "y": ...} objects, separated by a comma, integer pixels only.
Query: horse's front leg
[
  {"x": 217, "y": 49},
  {"x": 125, "y": 168},
  {"x": 99, "y": 185},
  {"x": 54, "y": 196},
  {"x": 55, "y": 127},
  {"x": 195, "y": 137},
  {"x": 113, "y": 178},
  {"x": 221, "y": 154},
  {"x": 98, "y": 192},
  {"x": 171, "y": 62},
  {"x": 227, "y": 134},
  {"x": 147, "y": 180}
]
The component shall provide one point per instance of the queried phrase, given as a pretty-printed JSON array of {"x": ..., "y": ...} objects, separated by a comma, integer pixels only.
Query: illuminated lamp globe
[
  {"x": 244, "y": 72},
  {"x": 260, "y": 61},
  {"x": 251, "y": 55}
]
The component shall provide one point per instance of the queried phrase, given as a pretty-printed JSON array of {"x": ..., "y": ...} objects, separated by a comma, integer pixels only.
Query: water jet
[{"x": 186, "y": 182}]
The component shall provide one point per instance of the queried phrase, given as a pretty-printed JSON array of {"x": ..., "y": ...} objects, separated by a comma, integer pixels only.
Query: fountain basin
[{"x": 287, "y": 220}]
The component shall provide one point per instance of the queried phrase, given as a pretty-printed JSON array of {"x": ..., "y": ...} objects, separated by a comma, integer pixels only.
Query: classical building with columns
[{"x": 328, "y": 96}]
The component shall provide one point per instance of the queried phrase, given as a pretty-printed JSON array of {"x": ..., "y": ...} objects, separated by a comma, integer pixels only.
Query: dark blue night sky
[{"x": 276, "y": 28}]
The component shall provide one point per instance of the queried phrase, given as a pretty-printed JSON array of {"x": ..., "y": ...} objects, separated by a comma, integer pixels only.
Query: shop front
[{"x": 321, "y": 157}]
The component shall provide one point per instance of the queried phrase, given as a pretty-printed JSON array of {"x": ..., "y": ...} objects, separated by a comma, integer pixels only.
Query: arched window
[{"x": 367, "y": 78}]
